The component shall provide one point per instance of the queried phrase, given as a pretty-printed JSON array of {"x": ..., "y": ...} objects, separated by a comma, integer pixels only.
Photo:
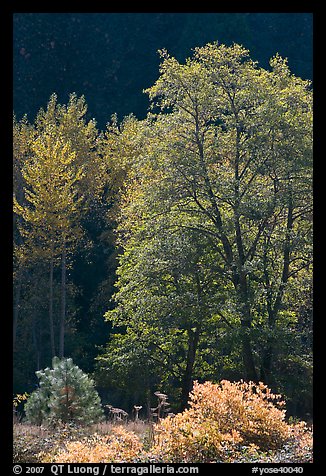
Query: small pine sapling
[{"x": 65, "y": 394}]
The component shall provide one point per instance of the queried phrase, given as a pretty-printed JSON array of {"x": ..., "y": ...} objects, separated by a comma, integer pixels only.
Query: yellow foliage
[
  {"x": 221, "y": 419},
  {"x": 20, "y": 397},
  {"x": 120, "y": 445}
]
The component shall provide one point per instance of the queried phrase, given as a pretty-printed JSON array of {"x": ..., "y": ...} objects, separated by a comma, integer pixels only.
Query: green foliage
[
  {"x": 214, "y": 218},
  {"x": 65, "y": 394}
]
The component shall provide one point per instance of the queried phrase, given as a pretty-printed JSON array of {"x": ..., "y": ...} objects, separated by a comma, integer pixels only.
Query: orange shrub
[
  {"x": 301, "y": 442},
  {"x": 189, "y": 440},
  {"x": 119, "y": 446},
  {"x": 222, "y": 418}
]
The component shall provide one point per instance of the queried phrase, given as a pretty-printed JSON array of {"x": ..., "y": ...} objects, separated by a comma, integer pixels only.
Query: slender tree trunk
[
  {"x": 20, "y": 271},
  {"x": 267, "y": 360},
  {"x": 241, "y": 280},
  {"x": 17, "y": 305},
  {"x": 51, "y": 309},
  {"x": 63, "y": 303},
  {"x": 36, "y": 343},
  {"x": 148, "y": 402},
  {"x": 191, "y": 356},
  {"x": 273, "y": 310},
  {"x": 193, "y": 340},
  {"x": 250, "y": 372}
]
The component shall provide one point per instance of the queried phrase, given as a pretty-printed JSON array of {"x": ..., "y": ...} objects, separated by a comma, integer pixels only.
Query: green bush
[{"x": 65, "y": 394}]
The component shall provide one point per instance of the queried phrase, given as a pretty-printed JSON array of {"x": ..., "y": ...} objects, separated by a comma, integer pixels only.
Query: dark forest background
[{"x": 111, "y": 57}]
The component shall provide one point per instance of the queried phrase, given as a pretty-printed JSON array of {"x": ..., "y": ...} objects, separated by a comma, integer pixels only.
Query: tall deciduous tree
[
  {"x": 51, "y": 215},
  {"x": 227, "y": 157},
  {"x": 63, "y": 158},
  {"x": 241, "y": 131},
  {"x": 23, "y": 134}
]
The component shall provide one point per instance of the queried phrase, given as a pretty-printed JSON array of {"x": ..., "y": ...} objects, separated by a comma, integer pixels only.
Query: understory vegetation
[{"x": 226, "y": 422}]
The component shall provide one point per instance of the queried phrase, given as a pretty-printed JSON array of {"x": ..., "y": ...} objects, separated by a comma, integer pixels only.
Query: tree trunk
[
  {"x": 17, "y": 305},
  {"x": 191, "y": 355},
  {"x": 266, "y": 363},
  {"x": 240, "y": 278},
  {"x": 250, "y": 372},
  {"x": 51, "y": 309},
  {"x": 193, "y": 339},
  {"x": 273, "y": 310},
  {"x": 63, "y": 303},
  {"x": 36, "y": 343}
]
